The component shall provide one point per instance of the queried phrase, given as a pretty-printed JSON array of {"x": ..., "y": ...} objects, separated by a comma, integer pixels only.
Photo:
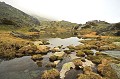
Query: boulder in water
[
  {"x": 66, "y": 67},
  {"x": 37, "y": 57}
]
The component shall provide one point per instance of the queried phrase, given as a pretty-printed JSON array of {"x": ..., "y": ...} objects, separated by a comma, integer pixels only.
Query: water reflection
[
  {"x": 19, "y": 68},
  {"x": 26, "y": 68},
  {"x": 65, "y": 42}
]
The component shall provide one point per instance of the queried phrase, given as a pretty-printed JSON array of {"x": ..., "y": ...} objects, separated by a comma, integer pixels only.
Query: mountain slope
[
  {"x": 102, "y": 27},
  {"x": 12, "y": 16}
]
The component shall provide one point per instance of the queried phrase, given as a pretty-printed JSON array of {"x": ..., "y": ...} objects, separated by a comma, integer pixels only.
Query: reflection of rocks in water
[
  {"x": 54, "y": 42},
  {"x": 19, "y": 68},
  {"x": 57, "y": 35}
]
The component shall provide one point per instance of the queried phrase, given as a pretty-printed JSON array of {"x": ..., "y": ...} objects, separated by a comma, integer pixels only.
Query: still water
[{"x": 26, "y": 68}]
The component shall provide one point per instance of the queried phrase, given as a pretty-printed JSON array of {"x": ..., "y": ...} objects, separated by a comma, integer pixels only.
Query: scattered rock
[
  {"x": 104, "y": 62},
  {"x": 88, "y": 52},
  {"x": 98, "y": 53},
  {"x": 39, "y": 63},
  {"x": 87, "y": 70},
  {"x": 91, "y": 76},
  {"x": 60, "y": 46},
  {"x": 116, "y": 43},
  {"x": 37, "y": 43},
  {"x": 45, "y": 42},
  {"x": 87, "y": 63},
  {"x": 71, "y": 47},
  {"x": 27, "y": 50},
  {"x": 80, "y": 53},
  {"x": 59, "y": 54},
  {"x": 116, "y": 68},
  {"x": 51, "y": 64},
  {"x": 72, "y": 56},
  {"x": 19, "y": 55},
  {"x": 50, "y": 74},
  {"x": 107, "y": 71},
  {"x": 107, "y": 47},
  {"x": 37, "y": 57},
  {"x": 53, "y": 58},
  {"x": 77, "y": 63},
  {"x": 95, "y": 59},
  {"x": 88, "y": 74},
  {"x": 42, "y": 49},
  {"x": 56, "y": 49},
  {"x": 56, "y": 62},
  {"x": 67, "y": 51}
]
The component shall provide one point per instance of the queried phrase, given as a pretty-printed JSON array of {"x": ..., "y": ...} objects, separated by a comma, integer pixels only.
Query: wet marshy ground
[{"x": 26, "y": 68}]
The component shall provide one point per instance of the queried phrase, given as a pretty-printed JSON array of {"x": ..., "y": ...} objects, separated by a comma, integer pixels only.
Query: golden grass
[{"x": 6, "y": 37}]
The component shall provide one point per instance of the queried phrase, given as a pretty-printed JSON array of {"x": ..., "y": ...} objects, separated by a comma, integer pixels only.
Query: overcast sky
[{"x": 78, "y": 11}]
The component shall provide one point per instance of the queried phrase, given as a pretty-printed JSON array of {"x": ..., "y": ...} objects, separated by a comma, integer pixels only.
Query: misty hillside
[
  {"x": 12, "y": 16},
  {"x": 41, "y": 18}
]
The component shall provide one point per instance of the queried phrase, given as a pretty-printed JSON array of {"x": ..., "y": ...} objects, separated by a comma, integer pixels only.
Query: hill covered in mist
[{"x": 12, "y": 16}]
